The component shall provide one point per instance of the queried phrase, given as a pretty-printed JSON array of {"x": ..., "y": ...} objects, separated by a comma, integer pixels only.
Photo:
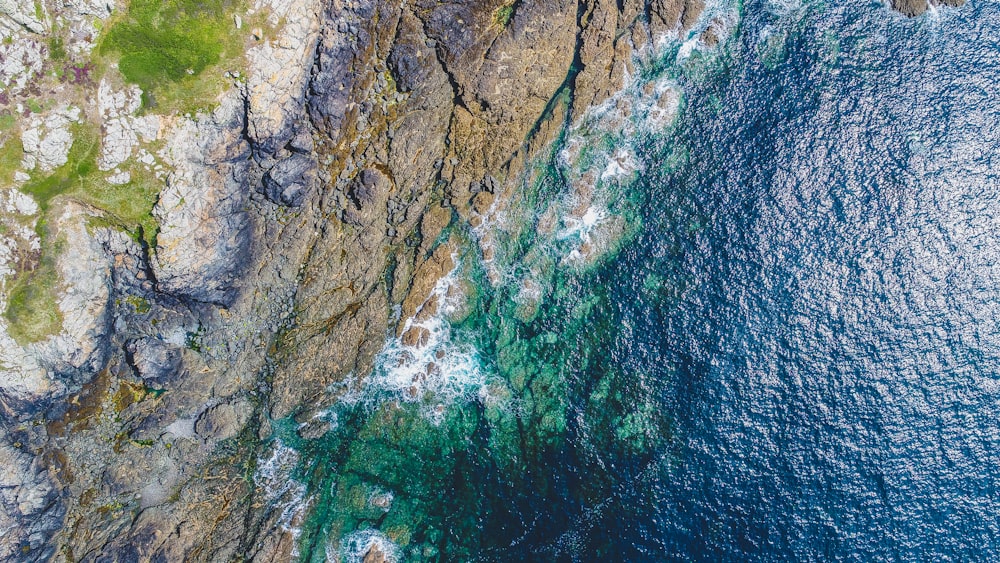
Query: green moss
[
  {"x": 503, "y": 14},
  {"x": 140, "y": 305},
  {"x": 166, "y": 46},
  {"x": 192, "y": 340}
]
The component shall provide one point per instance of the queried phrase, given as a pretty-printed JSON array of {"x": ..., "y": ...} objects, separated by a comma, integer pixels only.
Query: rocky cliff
[{"x": 188, "y": 258}]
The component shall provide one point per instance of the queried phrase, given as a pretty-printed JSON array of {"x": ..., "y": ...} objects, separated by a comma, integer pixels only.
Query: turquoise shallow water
[{"x": 752, "y": 318}]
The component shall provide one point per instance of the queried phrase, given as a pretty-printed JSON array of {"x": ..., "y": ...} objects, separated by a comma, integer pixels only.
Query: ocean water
[{"x": 746, "y": 311}]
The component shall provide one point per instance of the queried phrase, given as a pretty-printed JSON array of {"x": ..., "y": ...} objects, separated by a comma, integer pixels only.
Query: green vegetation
[
  {"x": 193, "y": 339},
  {"x": 166, "y": 46},
  {"x": 130, "y": 204},
  {"x": 139, "y": 304},
  {"x": 32, "y": 310},
  {"x": 57, "y": 50},
  {"x": 80, "y": 166},
  {"x": 7, "y": 120},
  {"x": 503, "y": 14},
  {"x": 11, "y": 154}
]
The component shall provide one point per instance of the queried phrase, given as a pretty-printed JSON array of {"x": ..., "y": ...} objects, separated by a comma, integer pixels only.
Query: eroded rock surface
[{"x": 204, "y": 233}]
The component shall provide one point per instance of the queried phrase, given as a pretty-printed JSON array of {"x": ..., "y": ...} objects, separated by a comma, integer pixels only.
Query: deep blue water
[{"x": 835, "y": 341}]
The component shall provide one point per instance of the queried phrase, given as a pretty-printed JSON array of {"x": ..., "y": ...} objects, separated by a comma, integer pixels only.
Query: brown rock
[
  {"x": 665, "y": 14},
  {"x": 482, "y": 202},
  {"x": 426, "y": 277},
  {"x": 416, "y": 337},
  {"x": 916, "y": 7},
  {"x": 375, "y": 555},
  {"x": 433, "y": 223}
]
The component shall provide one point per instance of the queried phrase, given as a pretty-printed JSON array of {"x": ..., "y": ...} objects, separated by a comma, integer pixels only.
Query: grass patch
[
  {"x": 80, "y": 166},
  {"x": 32, "y": 310},
  {"x": 129, "y": 205},
  {"x": 57, "y": 49},
  {"x": 11, "y": 154},
  {"x": 166, "y": 46}
]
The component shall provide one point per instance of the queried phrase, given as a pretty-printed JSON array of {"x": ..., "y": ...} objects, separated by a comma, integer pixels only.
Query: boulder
[
  {"x": 154, "y": 360},
  {"x": 290, "y": 180}
]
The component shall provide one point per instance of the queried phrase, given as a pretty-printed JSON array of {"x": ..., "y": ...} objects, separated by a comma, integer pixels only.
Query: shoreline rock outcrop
[{"x": 300, "y": 222}]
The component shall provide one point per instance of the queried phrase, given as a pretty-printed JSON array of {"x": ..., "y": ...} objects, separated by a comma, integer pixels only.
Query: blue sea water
[
  {"x": 789, "y": 352},
  {"x": 838, "y": 332}
]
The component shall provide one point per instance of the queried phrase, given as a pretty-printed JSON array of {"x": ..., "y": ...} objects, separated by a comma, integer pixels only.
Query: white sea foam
[
  {"x": 688, "y": 47},
  {"x": 328, "y": 415},
  {"x": 436, "y": 369},
  {"x": 582, "y": 227},
  {"x": 355, "y": 546},
  {"x": 623, "y": 163},
  {"x": 663, "y": 107},
  {"x": 785, "y": 8},
  {"x": 286, "y": 495}
]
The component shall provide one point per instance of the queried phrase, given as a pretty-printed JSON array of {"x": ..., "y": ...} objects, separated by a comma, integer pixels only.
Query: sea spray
[
  {"x": 356, "y": 546},
  {"x": 434, "y": 369},
  {"x": 282, "y": 492}
]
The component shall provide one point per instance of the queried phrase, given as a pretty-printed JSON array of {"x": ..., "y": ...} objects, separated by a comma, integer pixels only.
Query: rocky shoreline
[{"x": 300, "y": 221}]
